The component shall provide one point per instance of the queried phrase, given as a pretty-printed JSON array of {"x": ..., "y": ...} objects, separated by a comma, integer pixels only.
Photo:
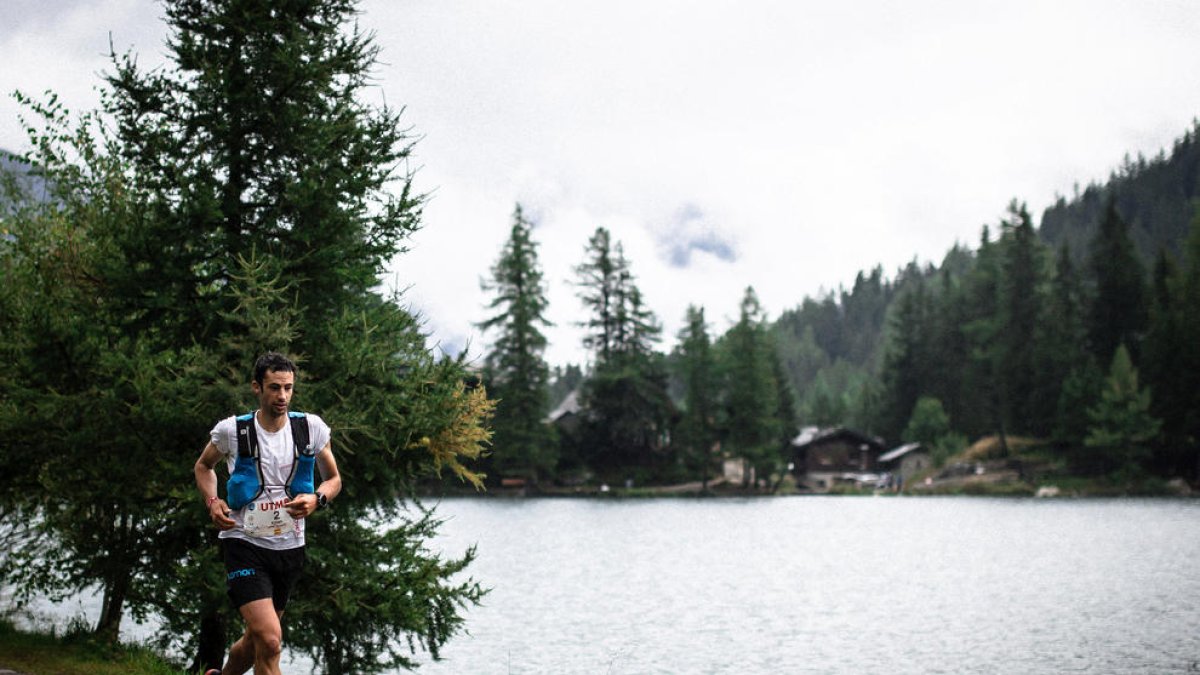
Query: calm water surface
[
  {"x": 822, "y": 585},
  {"x": 829, "y": 585}
]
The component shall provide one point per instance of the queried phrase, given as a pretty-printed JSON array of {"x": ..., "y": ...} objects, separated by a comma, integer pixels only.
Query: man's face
[{"x": 275, "y": 392}]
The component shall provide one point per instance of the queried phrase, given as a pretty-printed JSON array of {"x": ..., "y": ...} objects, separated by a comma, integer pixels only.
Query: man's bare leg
[{"x": 261, "y": 644}]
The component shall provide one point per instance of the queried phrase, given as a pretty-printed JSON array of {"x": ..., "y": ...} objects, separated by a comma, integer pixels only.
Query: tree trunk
[
  {"x": 214, "y": 626},
  {"x": 112, "y": 607},
  {"x": 210, "y": 646}
]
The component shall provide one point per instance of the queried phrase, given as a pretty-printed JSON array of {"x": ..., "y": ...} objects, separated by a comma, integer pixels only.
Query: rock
[
  {"x": 1180, "y": 487},
  {"x": 1047, "y": 491}
]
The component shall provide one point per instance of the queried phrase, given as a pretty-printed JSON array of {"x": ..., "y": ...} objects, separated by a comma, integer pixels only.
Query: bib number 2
[{"x": 267, "y": 518}]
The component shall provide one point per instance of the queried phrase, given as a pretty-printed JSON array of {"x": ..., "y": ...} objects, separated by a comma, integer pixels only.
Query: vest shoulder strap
[
  {"x": 247, "y": 437},
  {"x": 300, "y": 437}
]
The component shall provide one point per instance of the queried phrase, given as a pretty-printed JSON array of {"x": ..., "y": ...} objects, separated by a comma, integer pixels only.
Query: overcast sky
[{"x": 779, "y": 145}]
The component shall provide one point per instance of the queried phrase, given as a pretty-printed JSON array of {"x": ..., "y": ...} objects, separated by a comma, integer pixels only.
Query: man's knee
[{"x": 268, "y": 643}]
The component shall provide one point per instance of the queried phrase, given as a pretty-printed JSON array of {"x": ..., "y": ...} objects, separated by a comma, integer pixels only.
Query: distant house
[
  {"x": 566, "y": 415},
  {"x": 905, "y": 462},
  {"x": 822, "y": 458}
]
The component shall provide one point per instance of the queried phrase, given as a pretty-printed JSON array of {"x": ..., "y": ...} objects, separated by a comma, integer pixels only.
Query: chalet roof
[
  {"x": 897, "y": 453},
  {"x": 811, "y": 435},
  {"x": 569, "y": 406}
]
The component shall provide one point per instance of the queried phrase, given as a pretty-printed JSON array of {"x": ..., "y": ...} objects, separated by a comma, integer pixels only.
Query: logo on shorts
[{"x": 236, "y": 574}]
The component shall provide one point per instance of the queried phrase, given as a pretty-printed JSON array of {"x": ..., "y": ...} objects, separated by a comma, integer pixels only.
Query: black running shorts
[{"x": 253, "y": 572}]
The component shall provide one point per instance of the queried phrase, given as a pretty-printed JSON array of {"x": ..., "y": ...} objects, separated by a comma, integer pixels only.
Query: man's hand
[
  {"x": 218, "y": 510},
  {"x": 303, "y": 505}
]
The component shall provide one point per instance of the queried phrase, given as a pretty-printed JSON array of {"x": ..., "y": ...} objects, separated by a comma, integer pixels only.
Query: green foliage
[
  {"x": 1118, "y": 314},
  {"x": 697, "y": 431},
  {"x": 358, "y": 611},
  {"x": 238, "y": 201},
  {"x": 620, "y": 326},
  {"x": 628, "y": 408},
  {"x": 1121, "y": 425},
  {"x": 1155, "y": 195},
  {"x": 76, "y": 652},
  {"x": 929, "y": 422},
  {"x": 628, "y": 416},
  {"x": 1021, "y": 311},
  {"x": 515, "y": 367},
  {"x": 908, "y": 364},
  {"x": 930, "y": 426},
  {"x": 753, "y": 426}
]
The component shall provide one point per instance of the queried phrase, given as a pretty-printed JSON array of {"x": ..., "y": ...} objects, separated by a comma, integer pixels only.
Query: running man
[{"x": 270, "y": 454}]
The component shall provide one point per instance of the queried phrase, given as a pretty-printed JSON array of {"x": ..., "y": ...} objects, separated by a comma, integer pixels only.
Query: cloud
[
  {"x": 689, "y": 231},
  {"x": 784, "y": 146}
]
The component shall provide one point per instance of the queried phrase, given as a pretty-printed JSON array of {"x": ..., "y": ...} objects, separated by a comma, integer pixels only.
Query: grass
[{"x": 76, "y": 652}]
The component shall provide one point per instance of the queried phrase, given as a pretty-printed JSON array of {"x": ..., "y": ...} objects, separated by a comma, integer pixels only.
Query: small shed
[
  {"x": 904, "y": 462},
  {"x": 821, "y": 457}
]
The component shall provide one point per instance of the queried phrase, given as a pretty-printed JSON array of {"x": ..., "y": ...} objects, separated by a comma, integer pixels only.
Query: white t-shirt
[{"x": 275, "y": 457}]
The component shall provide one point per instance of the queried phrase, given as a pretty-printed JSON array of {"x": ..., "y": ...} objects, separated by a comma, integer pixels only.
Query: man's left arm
[{"x": 331, "y": 485}]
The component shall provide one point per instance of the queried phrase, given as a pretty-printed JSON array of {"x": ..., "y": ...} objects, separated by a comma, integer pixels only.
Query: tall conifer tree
[
  {"x": 1062, "y": 354},
  {"x": 626, "y": 392},
  {"x": 517, "y": 373},
  {"x": 1021, "y": 308},
  {"x": 752, "y": 402},
  {"x": 698, "y": 428},
  {"x": 599, "y": 282},
  {"x": 1118, "y": 313}
]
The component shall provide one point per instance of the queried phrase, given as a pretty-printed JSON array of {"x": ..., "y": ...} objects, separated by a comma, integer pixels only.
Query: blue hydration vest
[{"x": 246, "y": 482}]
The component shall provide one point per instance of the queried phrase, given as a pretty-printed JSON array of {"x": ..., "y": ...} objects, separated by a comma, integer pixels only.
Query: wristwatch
[{"x": 322, "y": 500}]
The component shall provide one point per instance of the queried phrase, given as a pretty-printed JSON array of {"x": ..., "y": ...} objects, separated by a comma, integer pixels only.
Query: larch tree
[{"x": 244, "y": 197}]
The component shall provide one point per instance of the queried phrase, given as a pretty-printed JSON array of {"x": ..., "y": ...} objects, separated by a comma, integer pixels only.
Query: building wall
[
  {"x": 912, "y": 464},
  {"x": 841, "y": 455}
]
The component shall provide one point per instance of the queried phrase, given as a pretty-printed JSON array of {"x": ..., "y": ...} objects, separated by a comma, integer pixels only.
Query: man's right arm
[{"x": 206, "y": 481}]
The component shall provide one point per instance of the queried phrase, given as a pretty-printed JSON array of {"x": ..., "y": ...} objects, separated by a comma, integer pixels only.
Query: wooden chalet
[{"x": 822, "y": 458}]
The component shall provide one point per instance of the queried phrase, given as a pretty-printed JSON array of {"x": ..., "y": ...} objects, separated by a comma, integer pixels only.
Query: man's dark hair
[{"x": 273, "y": 362}]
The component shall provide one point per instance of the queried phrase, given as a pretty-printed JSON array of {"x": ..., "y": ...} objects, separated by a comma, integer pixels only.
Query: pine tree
[
  {"x": 1118, "y": 312},
  {"x": 626, "y": 392},
  {"x": 986, "y": 404},
  {"x": 1062, "y": 355},
  {"x": 599, "y": 279},
  {"x": 1021, "y": 289},
  {"x": 1164, "y": 354},
  {"x": 698, "y": 428},
  {"x": 907, "y": 368},
  {"x": 1122, "y": 427},
  {"x": 1184, "y": 369},
  {"x": 516, "y": 370},
  {"x": 752, "y": 403}
]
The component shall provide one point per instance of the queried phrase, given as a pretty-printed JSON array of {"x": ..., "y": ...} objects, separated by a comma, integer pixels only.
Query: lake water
[{"x": 827, "y": 585}]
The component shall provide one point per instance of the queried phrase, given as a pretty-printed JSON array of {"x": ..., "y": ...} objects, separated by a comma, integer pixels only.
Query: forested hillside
[
  {"x": 1020, "y": 334},
  {"x": 1153, "y": 196}
]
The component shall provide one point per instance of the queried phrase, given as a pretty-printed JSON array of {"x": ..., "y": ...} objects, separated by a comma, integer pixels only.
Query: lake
[
  {"x": 829, "y": 585},
  {"x": 826, "y": 585}
]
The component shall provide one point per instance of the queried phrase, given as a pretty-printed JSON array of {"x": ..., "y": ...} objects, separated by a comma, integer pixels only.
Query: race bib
[{"x": 268, "y": 518}]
